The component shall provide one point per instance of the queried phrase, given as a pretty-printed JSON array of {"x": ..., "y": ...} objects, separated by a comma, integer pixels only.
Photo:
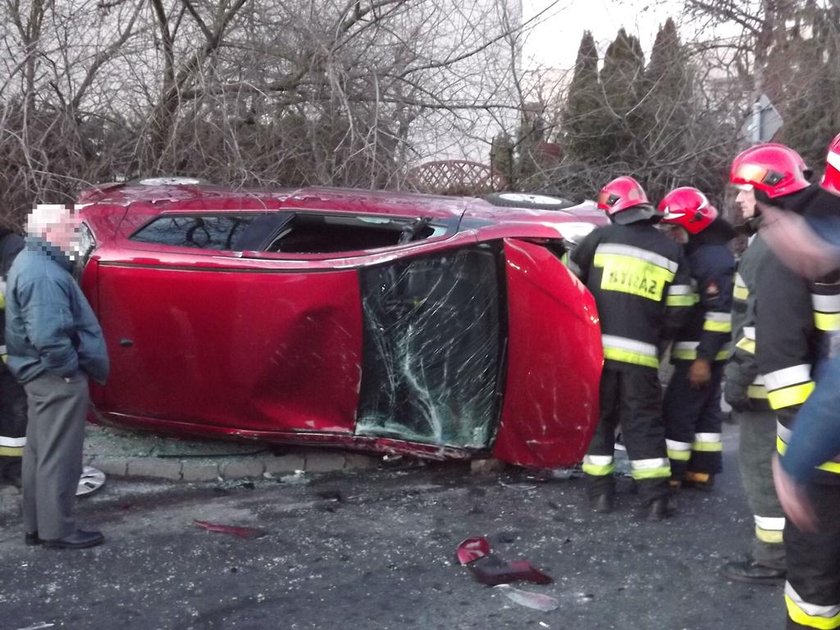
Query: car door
[{"x": 554, "y": 361}]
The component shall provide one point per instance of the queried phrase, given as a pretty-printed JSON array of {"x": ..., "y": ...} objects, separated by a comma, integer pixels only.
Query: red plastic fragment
[
  {"x": 242, "y": 532},
  {"x": 471, "y": 549}
]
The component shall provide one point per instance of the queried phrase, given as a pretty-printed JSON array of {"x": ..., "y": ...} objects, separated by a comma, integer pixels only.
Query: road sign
[{"x": 763, "y": 123}]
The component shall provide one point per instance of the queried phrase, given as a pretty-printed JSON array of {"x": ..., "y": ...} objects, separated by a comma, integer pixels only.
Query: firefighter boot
[
  {"x": 660, "y": 508},
  {"x": 750, "y": 571},
  {"x": 602, "y": 503}
]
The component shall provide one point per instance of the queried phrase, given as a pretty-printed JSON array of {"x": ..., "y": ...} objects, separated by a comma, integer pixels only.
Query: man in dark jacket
[
  {"x": 692, "y": 411},
  {"x": 54, "y": 344},
  {"x": 12, "y": 396},
  {"x": 641, "y": 286}
]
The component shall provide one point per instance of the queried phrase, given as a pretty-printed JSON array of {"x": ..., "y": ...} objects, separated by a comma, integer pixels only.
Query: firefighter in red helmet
[
  {"x": 803, "y": 231},
  {"x": 693, "y": 417},
  {"x": 642, "y": 289}
]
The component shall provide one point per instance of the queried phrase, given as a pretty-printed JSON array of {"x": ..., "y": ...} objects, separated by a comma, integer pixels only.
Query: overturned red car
[{"x": 389, "y": 322}]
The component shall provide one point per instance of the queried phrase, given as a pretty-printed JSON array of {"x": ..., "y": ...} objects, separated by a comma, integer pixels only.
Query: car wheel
[{"x": 528, "y": 200}]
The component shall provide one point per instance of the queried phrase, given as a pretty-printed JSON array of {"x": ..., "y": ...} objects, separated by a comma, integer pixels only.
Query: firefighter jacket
[
  {"x": 10, "y": 245},
  {"x": 744, "y": 385},
  {"x": 642, "y": 289},
  {"x": 795, "y": 322},
  {"x": 706, "y": 333}
]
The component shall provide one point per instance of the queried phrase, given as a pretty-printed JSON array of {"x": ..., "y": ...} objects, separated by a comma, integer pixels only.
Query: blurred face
[
  {"x": 675, "y": 232},
  {"x": 61, "y": 229},
  {"x": 745, "y": 201}
]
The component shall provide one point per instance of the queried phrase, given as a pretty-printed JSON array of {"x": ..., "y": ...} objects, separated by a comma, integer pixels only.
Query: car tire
[{"x": 528, "y": 200}]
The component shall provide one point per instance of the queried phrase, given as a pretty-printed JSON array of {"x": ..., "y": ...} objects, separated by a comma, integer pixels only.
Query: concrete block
[
  {"x": 117, "y": 466},
  {"x": 242, "y": 468},
  {"x": 324, "y": 461},
  {"x": 283, "y": 464},
  {"x": 357, "y": 461},
  {"x": 199, "y": 470},
  {"x": 153, "y": 467},
  {"x": 486, "y": 466}
]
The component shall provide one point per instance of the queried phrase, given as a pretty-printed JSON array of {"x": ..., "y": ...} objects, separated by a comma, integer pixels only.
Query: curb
[{"x": 124, "y": 454}]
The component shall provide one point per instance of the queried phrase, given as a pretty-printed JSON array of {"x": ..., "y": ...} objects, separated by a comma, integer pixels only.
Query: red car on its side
[{"x": 388, "y": 322}]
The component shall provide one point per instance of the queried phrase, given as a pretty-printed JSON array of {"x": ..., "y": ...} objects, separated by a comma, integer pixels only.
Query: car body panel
[{"x": 442, "y": 347}]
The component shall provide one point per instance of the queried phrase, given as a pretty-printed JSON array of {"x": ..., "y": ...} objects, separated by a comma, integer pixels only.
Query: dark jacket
[
  {"x": 707, "y": 331},
  {"x": 10, "y": 246},
  {"x": 641, "y": 285},
  {"x": 50, "y": 326}
]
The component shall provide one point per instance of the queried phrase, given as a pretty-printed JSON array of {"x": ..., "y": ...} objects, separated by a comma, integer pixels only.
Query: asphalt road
[{"x": 374, "y": 549}]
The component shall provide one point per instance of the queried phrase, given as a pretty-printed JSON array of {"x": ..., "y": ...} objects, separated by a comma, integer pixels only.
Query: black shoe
[
  {"x": 602, "y": 503},
  {"x": 660, "y": 509},
  {"x": 31, "y": 538},
  {"x": 12, "y": 474},
  {"x": 79, "y": 539},
  {"x": 750, "y": 571}
]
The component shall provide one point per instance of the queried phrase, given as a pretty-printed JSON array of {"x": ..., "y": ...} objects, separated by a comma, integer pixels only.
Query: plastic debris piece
[
  {"x": 537, "y": 601},
  {"x": 492, "y": 571},
  {"x": 471, "y": 549},
  {"x": 91, "y": 480},
  {"x": 242, "y": 532}
]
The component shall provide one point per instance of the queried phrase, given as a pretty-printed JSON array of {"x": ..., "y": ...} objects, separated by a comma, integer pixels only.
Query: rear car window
[{"x": 196, "y": 231}]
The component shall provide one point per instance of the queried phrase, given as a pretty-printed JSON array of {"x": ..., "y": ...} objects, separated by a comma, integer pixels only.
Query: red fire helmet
[
  {"x": 621, "y": 194},
  {"x": 831, "y": 178},
  {"x": 689, "y": 208},
  {"x": 773, "y": 168}
]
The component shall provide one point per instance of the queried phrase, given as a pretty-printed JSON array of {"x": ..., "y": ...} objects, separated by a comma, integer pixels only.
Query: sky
[{"x": 555, "y": 41}]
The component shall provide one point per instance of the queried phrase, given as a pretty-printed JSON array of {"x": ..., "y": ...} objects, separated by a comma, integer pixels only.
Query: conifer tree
[
  {"x": 621, "y": 80},
  {"x": 584, "y": 115}
]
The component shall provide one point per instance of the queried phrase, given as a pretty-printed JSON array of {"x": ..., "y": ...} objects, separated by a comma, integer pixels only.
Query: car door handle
[{"x": 125, "y": 343}]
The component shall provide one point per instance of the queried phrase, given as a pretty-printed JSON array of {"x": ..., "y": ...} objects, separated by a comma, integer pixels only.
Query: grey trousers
[
  {"x": 756, "y": 449},
  {"x": 52, "y": 457}
]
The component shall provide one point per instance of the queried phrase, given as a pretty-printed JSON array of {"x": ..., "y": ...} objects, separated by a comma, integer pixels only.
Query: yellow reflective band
[
  {"x": 598, "y": 471},
  {"x": 627, "y": 274},
  {"x": 681, "y": 300},
  {"x": 651, "y": 473},
  {"x": 11, "y": 451},
  {"x": 830, "y": 467},
  {"x": 757, "y": 391},
  {"x": 707, "y": 447},
  {"x": 772, "y": 536},
  {"x": 740, "y": 293},
  {"x": 2, "y": 301},
  {"x": 827, "y": 321},
  {"x": 723, "y": 355},
  {"x": 790, "y": 396},
  {"x": 747, "y": 345},
  {"x": 798, "y": 615},
  {"x": 714, "y": 326},
  {"x": 628, "y": 356},
  {"x": 679, "y": 456}
]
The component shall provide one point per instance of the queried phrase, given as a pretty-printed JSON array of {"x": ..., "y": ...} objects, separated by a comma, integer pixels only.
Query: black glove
[{"x": 735, "y": 394}]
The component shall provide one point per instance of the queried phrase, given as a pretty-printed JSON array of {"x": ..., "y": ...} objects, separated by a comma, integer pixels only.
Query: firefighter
[
  {"x": 745, "y": 392},
  {"x": 693, "y": 417},
  {"x": 12, "y": 395},
  {"x": 795, "y": 321},
  {"x": 642, "y": 289}
]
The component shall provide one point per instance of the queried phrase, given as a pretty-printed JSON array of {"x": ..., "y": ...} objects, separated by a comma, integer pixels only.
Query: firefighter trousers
[
  {"x": 631, "y": 399},
  {"x": 756, "y": 448},
  {"x": 812, "y": 591},
  {"x": 12, "y": 421},
  {"x": 693, "y": 420}
]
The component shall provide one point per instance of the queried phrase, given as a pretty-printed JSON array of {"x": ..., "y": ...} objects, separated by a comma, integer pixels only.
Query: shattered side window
[{"x": 431, "y": 349}]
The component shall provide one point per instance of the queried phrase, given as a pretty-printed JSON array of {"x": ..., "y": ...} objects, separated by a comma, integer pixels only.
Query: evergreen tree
[
  {"x": 622, "y": 83},
  {"x": 583, "y": 118}
]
